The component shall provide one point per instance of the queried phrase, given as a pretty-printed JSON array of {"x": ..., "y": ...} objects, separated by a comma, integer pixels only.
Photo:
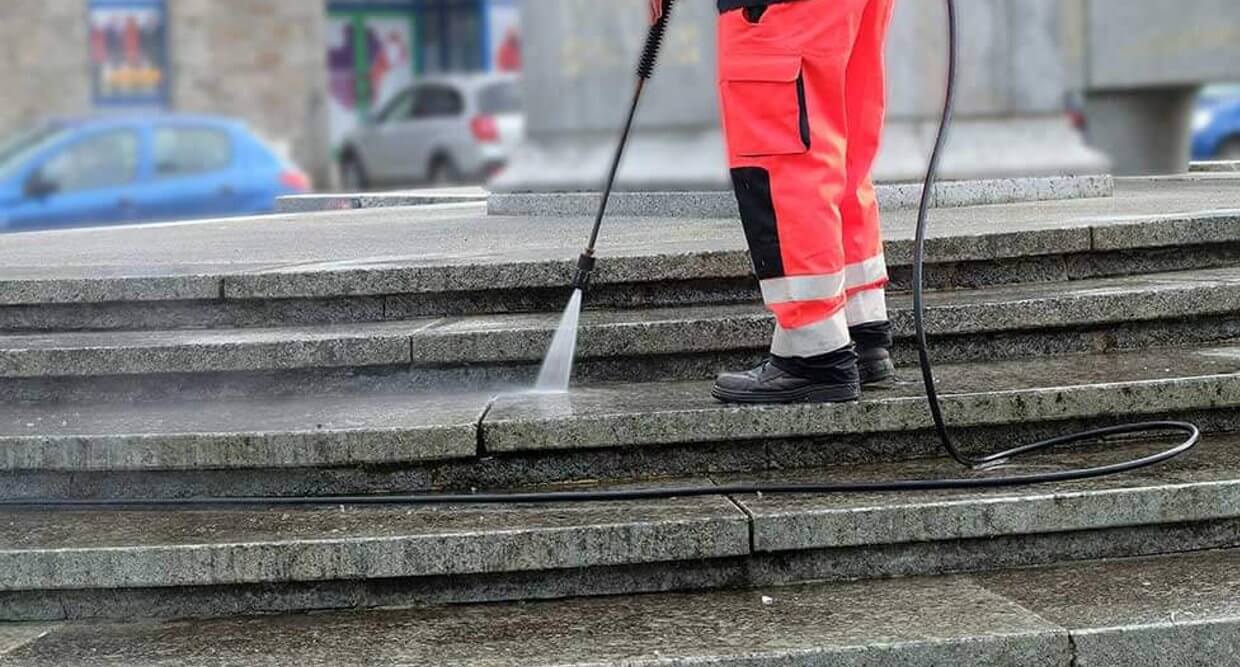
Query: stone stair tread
[
  {"x": 188, "y": 351},
  {"x": 1055, "y": 388},
  {"x": 371, "y": 252},
  {"x": 139, "y": 549},
  {"x": 48, "y": 550},
  {"x": 1201, "y": 486},
  {"x": 1163, "y": 610},
  {"x": 522, "y": 338},
  {"x": 254, "y": 433},
  {"x": 408, "y": 428}
]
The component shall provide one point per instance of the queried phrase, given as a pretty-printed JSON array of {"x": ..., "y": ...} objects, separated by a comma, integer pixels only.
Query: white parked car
[{"x": 440, "y": 130}]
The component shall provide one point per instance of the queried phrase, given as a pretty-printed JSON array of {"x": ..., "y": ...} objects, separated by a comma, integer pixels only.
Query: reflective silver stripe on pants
[
  {"x": 818, "y": 338},
  {"x": 866, "y": 307},
  {"x": 803, "y": 288},
  {"x": 866, "y": 273}
]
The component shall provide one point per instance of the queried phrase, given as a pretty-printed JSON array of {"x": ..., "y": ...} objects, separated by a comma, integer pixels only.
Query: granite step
[
  {"x": 467, "y": 264},
  {"x": 1168, "y": 610},
  {"x": 1181, "y": 308},
  {"x": 142, "y": 563},
  {"x": 400, "y": 442}
]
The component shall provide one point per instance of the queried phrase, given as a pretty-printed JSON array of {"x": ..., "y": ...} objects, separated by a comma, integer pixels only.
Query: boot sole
[{"x": 811, "y": 394}]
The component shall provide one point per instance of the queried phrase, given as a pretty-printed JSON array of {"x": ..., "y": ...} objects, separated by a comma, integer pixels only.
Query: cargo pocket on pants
[{"x": 764, "y": 105}]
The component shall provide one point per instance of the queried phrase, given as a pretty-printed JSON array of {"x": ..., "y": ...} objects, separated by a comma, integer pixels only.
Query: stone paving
[
  {"x": 1113, "y": 613},
  {"x": 384, "y": 352}
]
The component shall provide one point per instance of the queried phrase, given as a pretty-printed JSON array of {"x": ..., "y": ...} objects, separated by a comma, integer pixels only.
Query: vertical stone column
[
  {"x": 46, "y": 71},
  {"x": 260, "y": 60},
  {"x": 578, "y": 75}
]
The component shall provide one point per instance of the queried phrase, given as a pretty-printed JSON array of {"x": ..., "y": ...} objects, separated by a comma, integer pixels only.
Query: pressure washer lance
[
  {"x": 582, "y": 279},
  {"x": 645, "y": 70}
]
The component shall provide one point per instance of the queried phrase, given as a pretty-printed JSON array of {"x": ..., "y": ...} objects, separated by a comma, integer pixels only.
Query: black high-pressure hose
[{"x": 1191, "y": 432}]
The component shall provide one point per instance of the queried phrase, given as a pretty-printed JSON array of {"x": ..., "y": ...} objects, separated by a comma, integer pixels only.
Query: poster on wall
[
  {"x": 504, "y": 20},
  {"x": 370, "y": 60},
  {"x": 128, "y": 53}
]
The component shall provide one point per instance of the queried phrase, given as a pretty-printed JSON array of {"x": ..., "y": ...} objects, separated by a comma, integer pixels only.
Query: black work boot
[
  {"x": 793, "y": 381},
  {"x": 874, "y": 341}
]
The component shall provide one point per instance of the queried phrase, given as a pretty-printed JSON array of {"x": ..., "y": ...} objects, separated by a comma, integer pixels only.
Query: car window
[
  {"x": 500, "y": 98},
  {"x": 17, "y": 149},
  {"x": 438, "y": 101},
  {"x": 191, "y": 150},
  {"x": 398, "y": 109},
  {"x": 104, "y": 160}
]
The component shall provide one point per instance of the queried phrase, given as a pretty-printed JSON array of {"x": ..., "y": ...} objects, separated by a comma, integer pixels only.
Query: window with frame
[
  {"x": 109, "y": 159},
  {"x": 398, "y": 109},
  {"x": 181, "y": 151},
  {"x": 434, "y": 101}
]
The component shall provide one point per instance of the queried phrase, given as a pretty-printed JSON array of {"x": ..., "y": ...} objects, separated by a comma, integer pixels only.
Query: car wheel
[
  {"x": 353, "y": 174},
  {"x": 443, "y": 172},
  {"x": 1230, "y": 150}
]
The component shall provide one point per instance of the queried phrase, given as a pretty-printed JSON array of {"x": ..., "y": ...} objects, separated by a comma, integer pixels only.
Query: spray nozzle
[{"x": 585, "y": 267}]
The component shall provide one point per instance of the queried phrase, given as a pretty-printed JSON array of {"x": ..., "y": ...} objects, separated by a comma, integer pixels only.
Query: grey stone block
[
  {"x": 996, "y": 393},
  {"x": 1159, "y": 611},
  {"x": 307, "y": 432},
  {"x": 314, "y": 203},
  {"x": 913, "y": 622},
  {"x": 67, "y": 551},
  {"x": 722, "y": 204},
  {"x": 187, "y": 351},
  {"x": 1165, "y": 495},
  {"x": 374, "y": 252}
]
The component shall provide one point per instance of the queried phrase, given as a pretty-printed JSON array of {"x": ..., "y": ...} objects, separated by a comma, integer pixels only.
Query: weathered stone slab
[
  {"x": 1050, "y": 389},
  {"x": 256, "y": 433},
  {"x": 190, "y": 351},
  {"x": 1170, "y": 494},
  {"x": 499, "y": 339},
  {"x": 877, "y": 624},
  {"x": 139, "y": 549},
  {"x": 1157, "y": 611},
  {"x": 314, "y": 203},
  {"x": 396, "y": 251},
  {"x": 722, "y": 204}
]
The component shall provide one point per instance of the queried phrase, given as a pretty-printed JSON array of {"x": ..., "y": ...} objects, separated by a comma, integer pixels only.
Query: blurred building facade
[{"x": 301, "y": 72}]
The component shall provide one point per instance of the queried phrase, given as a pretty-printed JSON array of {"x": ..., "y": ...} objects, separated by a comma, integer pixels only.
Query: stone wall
[
  {"x": 39, "y": 76},
  {"x": 261, "y": 60}
]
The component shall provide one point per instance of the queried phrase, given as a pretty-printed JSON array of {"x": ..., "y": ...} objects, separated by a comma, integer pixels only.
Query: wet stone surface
[
  {"x": 948, "y": 621},
  {"x": 239, "y": 434},
  {"x": 138, "y": 549},
  {"x": 995, "y": 393},
  {"x": 1166, "y": 495},
  {"x": 1175, "y": 611}
]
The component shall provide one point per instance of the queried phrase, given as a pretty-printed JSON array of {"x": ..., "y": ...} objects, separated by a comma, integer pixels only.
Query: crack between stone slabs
[
  {"x": 1057, "y": 628},
  {"x": 750, "y": 519}
]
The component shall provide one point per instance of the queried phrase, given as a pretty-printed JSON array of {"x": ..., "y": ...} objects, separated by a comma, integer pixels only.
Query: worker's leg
[
  {"x": 866, "y": 270},
  {"x": 782, "y": 81}
]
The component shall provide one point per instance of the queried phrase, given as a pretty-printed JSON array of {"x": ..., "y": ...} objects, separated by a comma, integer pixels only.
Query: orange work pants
[{"x": 804, "y": 97}]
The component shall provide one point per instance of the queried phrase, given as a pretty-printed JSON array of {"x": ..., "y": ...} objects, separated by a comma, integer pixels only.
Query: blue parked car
[
  {"x": 1216, "y": 124},
  {"x": 139, "y": 168}
]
